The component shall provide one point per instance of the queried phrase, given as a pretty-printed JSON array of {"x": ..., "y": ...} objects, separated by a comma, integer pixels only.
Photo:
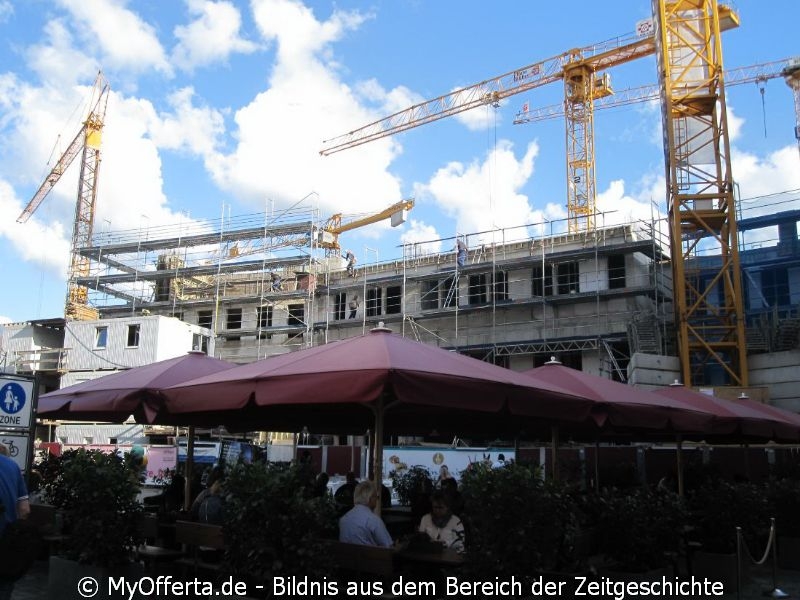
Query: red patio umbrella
[
  {"x": 379, "y": 381},
  {"x": 742, "y": 419},
  {"x": 337, "y": 386},
  {"x": 618, "y": 407},
  {"x": 135, "y": 391}
]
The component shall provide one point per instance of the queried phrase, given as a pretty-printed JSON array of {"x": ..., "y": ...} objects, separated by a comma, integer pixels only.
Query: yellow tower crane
[
  {"x": 87, "y": 142},
  {"x": 329, "y": 234},
  {"x": 792, "y": 76},
  {"x": 759, "y": 73},
  {"x": 580, "y": 70},
  {"x": 707, "y": 284},
  {"x": 685, "y": 35}
]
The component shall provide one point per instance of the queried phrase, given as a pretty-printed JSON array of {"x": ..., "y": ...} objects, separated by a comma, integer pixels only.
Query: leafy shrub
[
  {"x": 97, "y": 493},
  {"x": 641, "y": 529},
  {"x": 516, "y": 523},
  {"x": 784, "y": 498},
  {"x": 410, "y": 483},
  {"x": 272, "y": 527},
  {"x": 719, "y": 507}
]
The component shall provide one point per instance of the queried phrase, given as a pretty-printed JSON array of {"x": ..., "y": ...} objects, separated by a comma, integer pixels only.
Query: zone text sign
[{"x": 16, "y": 398}]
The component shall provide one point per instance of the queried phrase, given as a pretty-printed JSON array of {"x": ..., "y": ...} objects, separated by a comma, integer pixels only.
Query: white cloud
[
  {"x": 759, "y": 176},
  {"x": 122, "y": 37},
  {"x": 619, "y": 208},
  {"x": 35, "y": 242},
  {"x": 196, "y": 129},
  {"x": 485, "y": 196},
  {"x": 4, "y": 319},
  {"x": 6, "y": 10},
  {"x": 280, "y": 132},
  {"x": 212, "y": 37},
  {"x": 57, "y": 61},
  {"x": 423, "y": 238},
  {"x": 298, "y": 33},
  {"x": 735, "y": 124}
]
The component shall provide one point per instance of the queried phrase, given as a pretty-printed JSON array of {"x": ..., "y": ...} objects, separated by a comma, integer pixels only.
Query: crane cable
[{"x": 761, "y": 83}]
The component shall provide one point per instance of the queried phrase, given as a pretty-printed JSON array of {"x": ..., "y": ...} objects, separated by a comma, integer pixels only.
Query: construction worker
[
  {"x": 461, "y": 252},
  {"x": 351, "y": 263},
  {"x": 276, "y": 281}
]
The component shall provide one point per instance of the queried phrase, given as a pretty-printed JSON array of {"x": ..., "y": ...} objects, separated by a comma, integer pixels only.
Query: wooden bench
[
  {"x": 356, "y": 562},
  {"x": 196, "y": 537},
  {"x": 363, "y": 561}
]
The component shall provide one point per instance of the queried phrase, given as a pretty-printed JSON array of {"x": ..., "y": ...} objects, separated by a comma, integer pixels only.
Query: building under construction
[
  {"x": 604, "y": 298},
  {"x": 599, "y": 300}
]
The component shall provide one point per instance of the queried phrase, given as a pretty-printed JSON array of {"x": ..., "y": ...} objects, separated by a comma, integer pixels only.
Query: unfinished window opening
[
  {"x": 133, "y": 335},
  {"x": 394, "y": 300},
  {"x": 450, "y": 292},
  {"x": 775, "y": 286},
  {"x": 264, "y": 321},
  {"x": 500, "y": 287},
  {"x": 374, "y": 301},
  {"x": 476, "y": 292},
  {"x": 429, "y": 298},
  {"x": 234, "y": 321},
  {"x": 296, "y": 319},
  {"x": 340, "y": 306},
  {"x": 543, "y": 280},
  {"x": 616, "y": 271},
  {"x": 568, "y": 278},
  {"x": 205, "y": 318}
]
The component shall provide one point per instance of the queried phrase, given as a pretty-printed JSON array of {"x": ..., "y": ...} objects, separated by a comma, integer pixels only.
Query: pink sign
[{"x": 160, "y": 461}]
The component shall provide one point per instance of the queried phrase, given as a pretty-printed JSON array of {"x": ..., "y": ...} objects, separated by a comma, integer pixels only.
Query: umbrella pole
[
  {"x": 679, "y": 465},
  {"x": 597, "y": 466},
  {"x": 554, "y": 451},
  {"x": 377, "y": 450},
  {"x": 187, "y": 486}
]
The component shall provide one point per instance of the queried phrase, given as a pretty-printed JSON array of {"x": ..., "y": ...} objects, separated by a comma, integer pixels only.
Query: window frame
[
  {"x": 101, "y": 335},
  {"x": 136, "y": 330}
]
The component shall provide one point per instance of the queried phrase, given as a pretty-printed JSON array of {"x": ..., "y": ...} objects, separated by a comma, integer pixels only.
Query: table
[{"x": 447, "y": 557}]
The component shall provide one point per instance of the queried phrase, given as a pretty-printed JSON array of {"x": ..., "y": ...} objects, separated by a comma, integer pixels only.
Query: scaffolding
[{"x": 526, "y": 291}]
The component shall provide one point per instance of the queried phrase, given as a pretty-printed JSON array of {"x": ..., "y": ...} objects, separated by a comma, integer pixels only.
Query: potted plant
[
  {"x": 273, "y": 527},
  {"x": 96, "y": 495},
  {"x": 413, "y": 487},
  {"x": 516, "y": 523},
  {"x": 641, "y": 532},
  {"x": 717, "y": 509}
]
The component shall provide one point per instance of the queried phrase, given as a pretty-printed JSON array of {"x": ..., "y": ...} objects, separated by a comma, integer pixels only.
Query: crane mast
[
  {"x": 87, "y": 143},
  {"x": 707, "y": 287},
  {"x": 791, "y": 75}
]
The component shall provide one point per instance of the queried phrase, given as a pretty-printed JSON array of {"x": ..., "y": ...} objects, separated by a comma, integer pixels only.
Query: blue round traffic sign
[{"x": 12, "y": 398}]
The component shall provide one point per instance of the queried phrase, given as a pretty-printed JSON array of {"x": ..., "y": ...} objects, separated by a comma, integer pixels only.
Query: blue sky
[{"x": 218, "y": 103}]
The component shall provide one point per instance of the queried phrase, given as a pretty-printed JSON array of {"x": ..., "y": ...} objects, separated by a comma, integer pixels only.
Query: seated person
[
  {"x": 320, "y": 487},
  {"x": 344, "y": 493},
  {"x": 360, "y": 525},
  {"x": 386, "y": 497},
  {"x": 209, "y": 507},
  {"x": 450, "y": 487},
  {"x": 441, "y": 524}
]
